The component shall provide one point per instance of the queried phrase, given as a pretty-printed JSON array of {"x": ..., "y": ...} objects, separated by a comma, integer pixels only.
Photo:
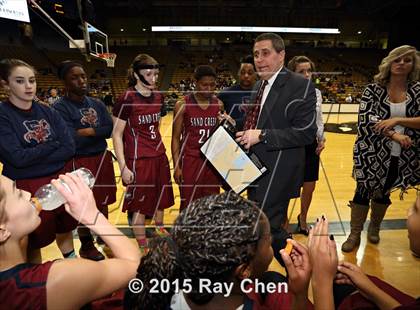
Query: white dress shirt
[
  {"x": 319, "y": 120},
  {"x": 267, "y": 90}
]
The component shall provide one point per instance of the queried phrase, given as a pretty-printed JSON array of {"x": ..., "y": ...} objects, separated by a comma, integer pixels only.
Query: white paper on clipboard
[{"x": 235, "y": 166}]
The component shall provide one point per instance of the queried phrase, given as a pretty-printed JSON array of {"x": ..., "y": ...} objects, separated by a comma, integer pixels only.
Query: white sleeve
[{"x": 319, "y": 120}]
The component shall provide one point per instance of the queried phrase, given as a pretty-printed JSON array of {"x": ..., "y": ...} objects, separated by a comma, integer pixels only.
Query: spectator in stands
[
  {"x": 237, "y": 98},
  {"x": 107, "y": 98},
  {"x": 386, "y": 157},
  {"x": 304, "y": 66},
  {"x": 224, "y": 238},
  {"x": 58, "y": 284},
  {"x": 35, "y": 143},
  {"x": 93, "y": 92},
  {"x": 182, "y": 86},
  {"x": 53, "y": 97},
  {"x": 349, "y": 98},
  {"x": 90, "y": 125}
]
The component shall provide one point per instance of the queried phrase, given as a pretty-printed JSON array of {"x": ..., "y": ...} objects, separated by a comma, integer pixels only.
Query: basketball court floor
[{"x": 390, "y": 260}]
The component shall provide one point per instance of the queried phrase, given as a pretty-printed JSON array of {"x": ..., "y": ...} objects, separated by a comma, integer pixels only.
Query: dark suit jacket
[{"x": 289, "y": 117}]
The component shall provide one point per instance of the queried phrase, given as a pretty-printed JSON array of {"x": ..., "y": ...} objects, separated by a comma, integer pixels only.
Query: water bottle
[{"x": 47, "y": 196}]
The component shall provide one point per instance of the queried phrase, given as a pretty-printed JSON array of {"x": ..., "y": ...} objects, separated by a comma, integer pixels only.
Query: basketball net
[{"x": 109, "y": 58}]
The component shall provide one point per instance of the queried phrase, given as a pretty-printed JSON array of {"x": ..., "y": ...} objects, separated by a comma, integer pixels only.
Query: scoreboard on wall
[{"x": 14, "y": 9}]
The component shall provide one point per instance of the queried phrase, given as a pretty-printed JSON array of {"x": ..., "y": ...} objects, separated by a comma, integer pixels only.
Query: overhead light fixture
[
  {"x": 359, "y": 32},
  {"x": 122, "y": 29},
  {"x": 244, "y": 29}
]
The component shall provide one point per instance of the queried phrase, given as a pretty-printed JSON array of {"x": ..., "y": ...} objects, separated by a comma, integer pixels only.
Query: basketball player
[
  {"x": 236, "y": 98},
  {"x": 89, "y": 122},
  {"x": 139, "y": 148},
  {"x": 58, "y": 284},
  {"x": 195, "y": 117},
  {"x": 34, "y": 146}
]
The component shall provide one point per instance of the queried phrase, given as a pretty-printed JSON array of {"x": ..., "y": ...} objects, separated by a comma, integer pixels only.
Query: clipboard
[{"x": 236, "y": 166}]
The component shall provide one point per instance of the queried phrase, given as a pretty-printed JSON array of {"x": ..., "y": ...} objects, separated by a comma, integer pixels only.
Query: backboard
[{"x": 96, "y": 40}]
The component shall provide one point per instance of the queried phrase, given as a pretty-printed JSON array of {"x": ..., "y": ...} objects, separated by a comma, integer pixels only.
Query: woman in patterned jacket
[{"x": 386, "y": 149}]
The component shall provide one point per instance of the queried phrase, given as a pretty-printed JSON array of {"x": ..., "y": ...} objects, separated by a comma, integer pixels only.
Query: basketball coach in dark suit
[{"x": 279, "y": 123}]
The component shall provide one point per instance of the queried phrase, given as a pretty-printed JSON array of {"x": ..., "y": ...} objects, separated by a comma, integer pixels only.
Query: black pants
[
  {"x": 277, "y": 216},
  {"x": 363, "y": 199}
]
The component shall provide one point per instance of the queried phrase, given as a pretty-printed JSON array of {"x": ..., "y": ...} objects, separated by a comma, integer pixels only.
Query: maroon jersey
[
  {"x": 198, "y": 124},
  {"x": 142, "y": 114},
  {"x": 24, "y": 286}
]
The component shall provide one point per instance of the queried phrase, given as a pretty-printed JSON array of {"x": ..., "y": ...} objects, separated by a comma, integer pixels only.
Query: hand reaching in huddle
[
  {"x": 298, "y": 267},
  {"x": 324, "y": 260},
  {"x": 322, "y": 253}
]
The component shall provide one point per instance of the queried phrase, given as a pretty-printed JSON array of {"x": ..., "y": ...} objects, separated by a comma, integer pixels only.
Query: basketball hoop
[{"x": 109, "y": 58}]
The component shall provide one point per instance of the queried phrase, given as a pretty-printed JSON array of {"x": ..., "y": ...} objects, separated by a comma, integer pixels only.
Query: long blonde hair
[{"x": 382, "y": 77}]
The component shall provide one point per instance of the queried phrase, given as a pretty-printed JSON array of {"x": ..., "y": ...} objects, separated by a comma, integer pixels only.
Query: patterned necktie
[{"x": 254, "y": 111}]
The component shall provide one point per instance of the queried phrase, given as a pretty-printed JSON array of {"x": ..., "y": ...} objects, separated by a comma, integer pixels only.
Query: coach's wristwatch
[{"x": 263, "y": 136}]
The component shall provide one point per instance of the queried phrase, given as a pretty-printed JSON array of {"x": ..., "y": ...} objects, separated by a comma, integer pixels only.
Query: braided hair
[{"x": 209, "y": 239}]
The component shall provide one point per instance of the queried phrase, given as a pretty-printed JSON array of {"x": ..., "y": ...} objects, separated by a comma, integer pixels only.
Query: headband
[{"x": 139, "y": 66}]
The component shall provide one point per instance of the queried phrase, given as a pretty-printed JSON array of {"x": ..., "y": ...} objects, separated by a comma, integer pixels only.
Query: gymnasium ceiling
[
  {"x": 292, "y": 13},
  {"x": 207, "y": 8}
]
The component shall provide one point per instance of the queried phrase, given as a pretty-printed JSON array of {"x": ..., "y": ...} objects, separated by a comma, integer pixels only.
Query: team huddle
[{"x": 221, "y": 237}]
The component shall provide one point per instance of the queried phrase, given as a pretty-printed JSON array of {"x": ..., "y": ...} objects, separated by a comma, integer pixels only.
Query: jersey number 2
[{"x": 204, "y": 134}]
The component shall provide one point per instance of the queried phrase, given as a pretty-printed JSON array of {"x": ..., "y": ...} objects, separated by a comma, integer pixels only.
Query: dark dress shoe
[{"x": 299, "y": 229}]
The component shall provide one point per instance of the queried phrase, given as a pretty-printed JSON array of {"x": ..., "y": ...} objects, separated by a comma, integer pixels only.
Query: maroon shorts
[
  {"x": 199, "y": 180},
  {"x": 102, "y": 168},
  {"x": 53, "y": 222},
  {"x": 152, "y": 187}
]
